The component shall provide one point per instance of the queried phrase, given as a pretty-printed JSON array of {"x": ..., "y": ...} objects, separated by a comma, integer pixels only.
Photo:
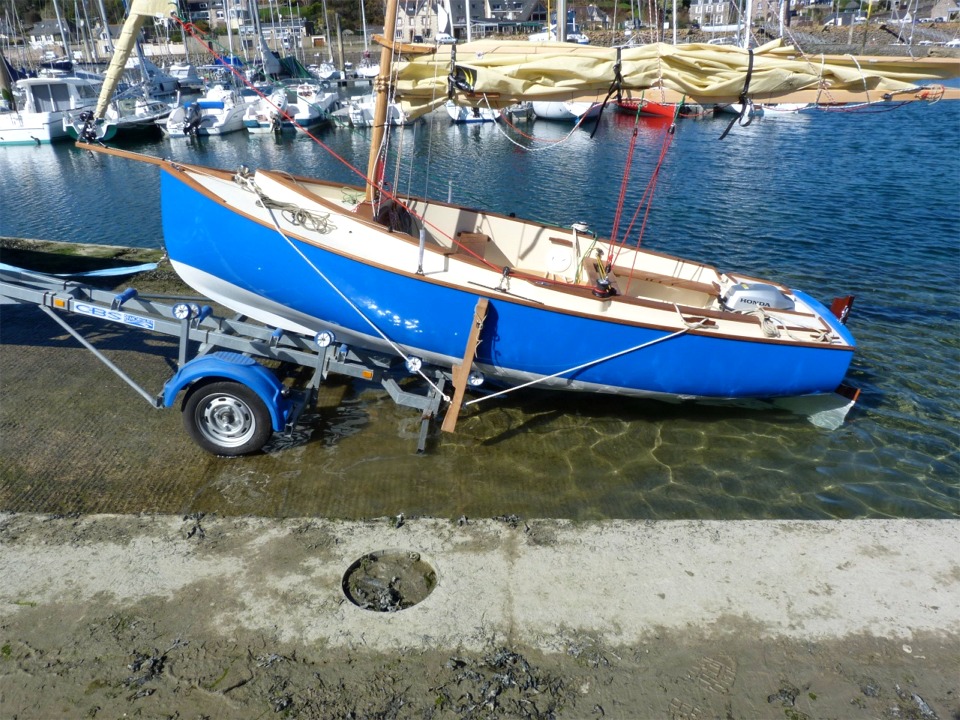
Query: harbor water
[{"x": 864, "y": 203}]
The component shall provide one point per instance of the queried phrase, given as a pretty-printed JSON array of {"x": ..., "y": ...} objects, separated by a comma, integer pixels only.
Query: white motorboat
[
  {"x": 470, "y": 114},
  {"x": 218, "y": 112},
  {"x": 567, "y": 110},
  {"x": 360, "y": 111},
  {"x": 263, "y": 116},
  {"x": 39, "y": 107}
]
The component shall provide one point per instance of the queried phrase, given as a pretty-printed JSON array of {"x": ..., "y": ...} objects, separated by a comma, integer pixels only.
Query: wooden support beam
[
  {"x": 405, "y": 48},
  {"x": 462, "y": 371}
]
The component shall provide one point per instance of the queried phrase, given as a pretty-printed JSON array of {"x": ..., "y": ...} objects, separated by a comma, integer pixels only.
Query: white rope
[
  {"x": 866, "y": 90},
  {"x": 582, "y": 365},
  {"x": 767, "y": 324},
  {"x": 347, "y": 300},
  {"x": 691, "y": 325},
  {"x": 773, "y": 324},
  {"x": 552, "y": 145}
]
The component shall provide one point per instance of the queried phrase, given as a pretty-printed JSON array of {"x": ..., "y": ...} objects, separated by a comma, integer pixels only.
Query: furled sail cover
[
  {"x": 511, "y": 71},
  {"x": 140, "y": 10}
]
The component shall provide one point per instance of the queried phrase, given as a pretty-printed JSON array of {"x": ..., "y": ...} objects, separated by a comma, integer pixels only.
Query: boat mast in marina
[
  {"x": 382, "y": 92},
  {"x": 63, "y": 33}
]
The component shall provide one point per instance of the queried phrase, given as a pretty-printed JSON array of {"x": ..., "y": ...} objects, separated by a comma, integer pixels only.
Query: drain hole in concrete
[{"x": 389, "y": 580}]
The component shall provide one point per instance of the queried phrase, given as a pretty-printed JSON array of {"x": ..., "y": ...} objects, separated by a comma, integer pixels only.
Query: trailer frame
[{"x": 216, "y": 350}]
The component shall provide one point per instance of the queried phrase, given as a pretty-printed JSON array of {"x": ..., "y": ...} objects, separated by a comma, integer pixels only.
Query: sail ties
[
  {"x": 866, "y": 88},
  {"x": 745, "y": 117},
  {"x": 615, "y": 87},
  {"x": 459, "y": 78}
]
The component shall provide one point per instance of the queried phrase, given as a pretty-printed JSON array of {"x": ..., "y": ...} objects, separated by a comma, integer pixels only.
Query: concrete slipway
[{"x": 741, "y": 599}]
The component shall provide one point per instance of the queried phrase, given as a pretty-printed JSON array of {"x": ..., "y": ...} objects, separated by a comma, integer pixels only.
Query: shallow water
[{"x": 832, "y": 203}]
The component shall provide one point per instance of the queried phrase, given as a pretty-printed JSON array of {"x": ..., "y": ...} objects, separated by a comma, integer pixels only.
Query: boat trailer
[{"x": 232, "y": 401}]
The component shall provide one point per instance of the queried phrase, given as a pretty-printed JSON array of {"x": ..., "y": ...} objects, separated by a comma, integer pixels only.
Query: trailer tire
[{"x": 226, "y": 418}]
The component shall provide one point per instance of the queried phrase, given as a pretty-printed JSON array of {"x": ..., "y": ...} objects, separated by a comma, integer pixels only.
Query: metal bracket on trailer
[{"x": 192, "y": 323}]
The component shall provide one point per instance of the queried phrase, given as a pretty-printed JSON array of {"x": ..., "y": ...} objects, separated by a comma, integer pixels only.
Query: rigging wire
[
  {"x": 551, "y": 143},
  {"x": 626, "y": 177},
  {"x": 646, "y": 201},
  {"x": 269, "y": 207},
  {"x": 589, "y": 363}
]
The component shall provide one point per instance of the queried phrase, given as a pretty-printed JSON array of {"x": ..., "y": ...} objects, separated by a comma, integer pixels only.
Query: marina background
[{"x": 864, "y": 202}]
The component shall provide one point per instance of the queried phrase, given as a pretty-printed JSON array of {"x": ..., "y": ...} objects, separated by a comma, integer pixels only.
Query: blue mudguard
[{"x": 239, "y": 368}]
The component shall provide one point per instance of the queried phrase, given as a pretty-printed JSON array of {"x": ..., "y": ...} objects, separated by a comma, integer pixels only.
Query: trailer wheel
[{"x": 227, "y": 418}]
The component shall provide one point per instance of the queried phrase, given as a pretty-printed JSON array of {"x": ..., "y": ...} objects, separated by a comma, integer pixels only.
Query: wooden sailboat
[{"x": 481, "y": 296}]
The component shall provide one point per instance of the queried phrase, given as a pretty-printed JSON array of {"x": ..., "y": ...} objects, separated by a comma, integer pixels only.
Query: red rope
[
  {"x": 646, "y": 201},
  {"x": 625, "y": 179}
]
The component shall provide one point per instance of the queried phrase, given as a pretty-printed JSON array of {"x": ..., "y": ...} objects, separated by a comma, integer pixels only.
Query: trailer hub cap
[{"x": 227, "y": 421}]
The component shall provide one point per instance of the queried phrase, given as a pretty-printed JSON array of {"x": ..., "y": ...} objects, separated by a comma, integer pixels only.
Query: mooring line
[{"x": 581, "y": 366}]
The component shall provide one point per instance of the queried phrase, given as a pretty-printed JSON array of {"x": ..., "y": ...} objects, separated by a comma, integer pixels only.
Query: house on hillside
[
  {"x": 417, "y": 22},
  {"x": 593, "y": 17},
  {"x": 713, "y": 13},
  {"x": 46, "y": 33},
  {"x": 423, "y": 20},
  {"x": 946, "y": 9}
]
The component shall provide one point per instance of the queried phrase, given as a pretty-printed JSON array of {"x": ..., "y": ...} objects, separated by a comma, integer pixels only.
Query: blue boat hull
[{"x": 520, "y": 341}]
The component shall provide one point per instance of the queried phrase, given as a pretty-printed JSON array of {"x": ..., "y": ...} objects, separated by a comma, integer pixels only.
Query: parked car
[
  {"x": 955, "y": 43},
  {"x": 446, "y": 39}
]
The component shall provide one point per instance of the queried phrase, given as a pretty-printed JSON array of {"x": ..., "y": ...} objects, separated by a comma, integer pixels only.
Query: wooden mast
[{"x": 382, "y": 89}]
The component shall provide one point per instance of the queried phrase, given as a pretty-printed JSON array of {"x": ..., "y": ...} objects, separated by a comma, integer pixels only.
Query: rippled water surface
[{"x": 832, "y": 203}]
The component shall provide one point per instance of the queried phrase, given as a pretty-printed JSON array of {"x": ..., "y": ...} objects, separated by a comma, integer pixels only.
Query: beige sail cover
[
  {"x": 507, "y": 72},
  {"x": 140, "y": 10}
]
